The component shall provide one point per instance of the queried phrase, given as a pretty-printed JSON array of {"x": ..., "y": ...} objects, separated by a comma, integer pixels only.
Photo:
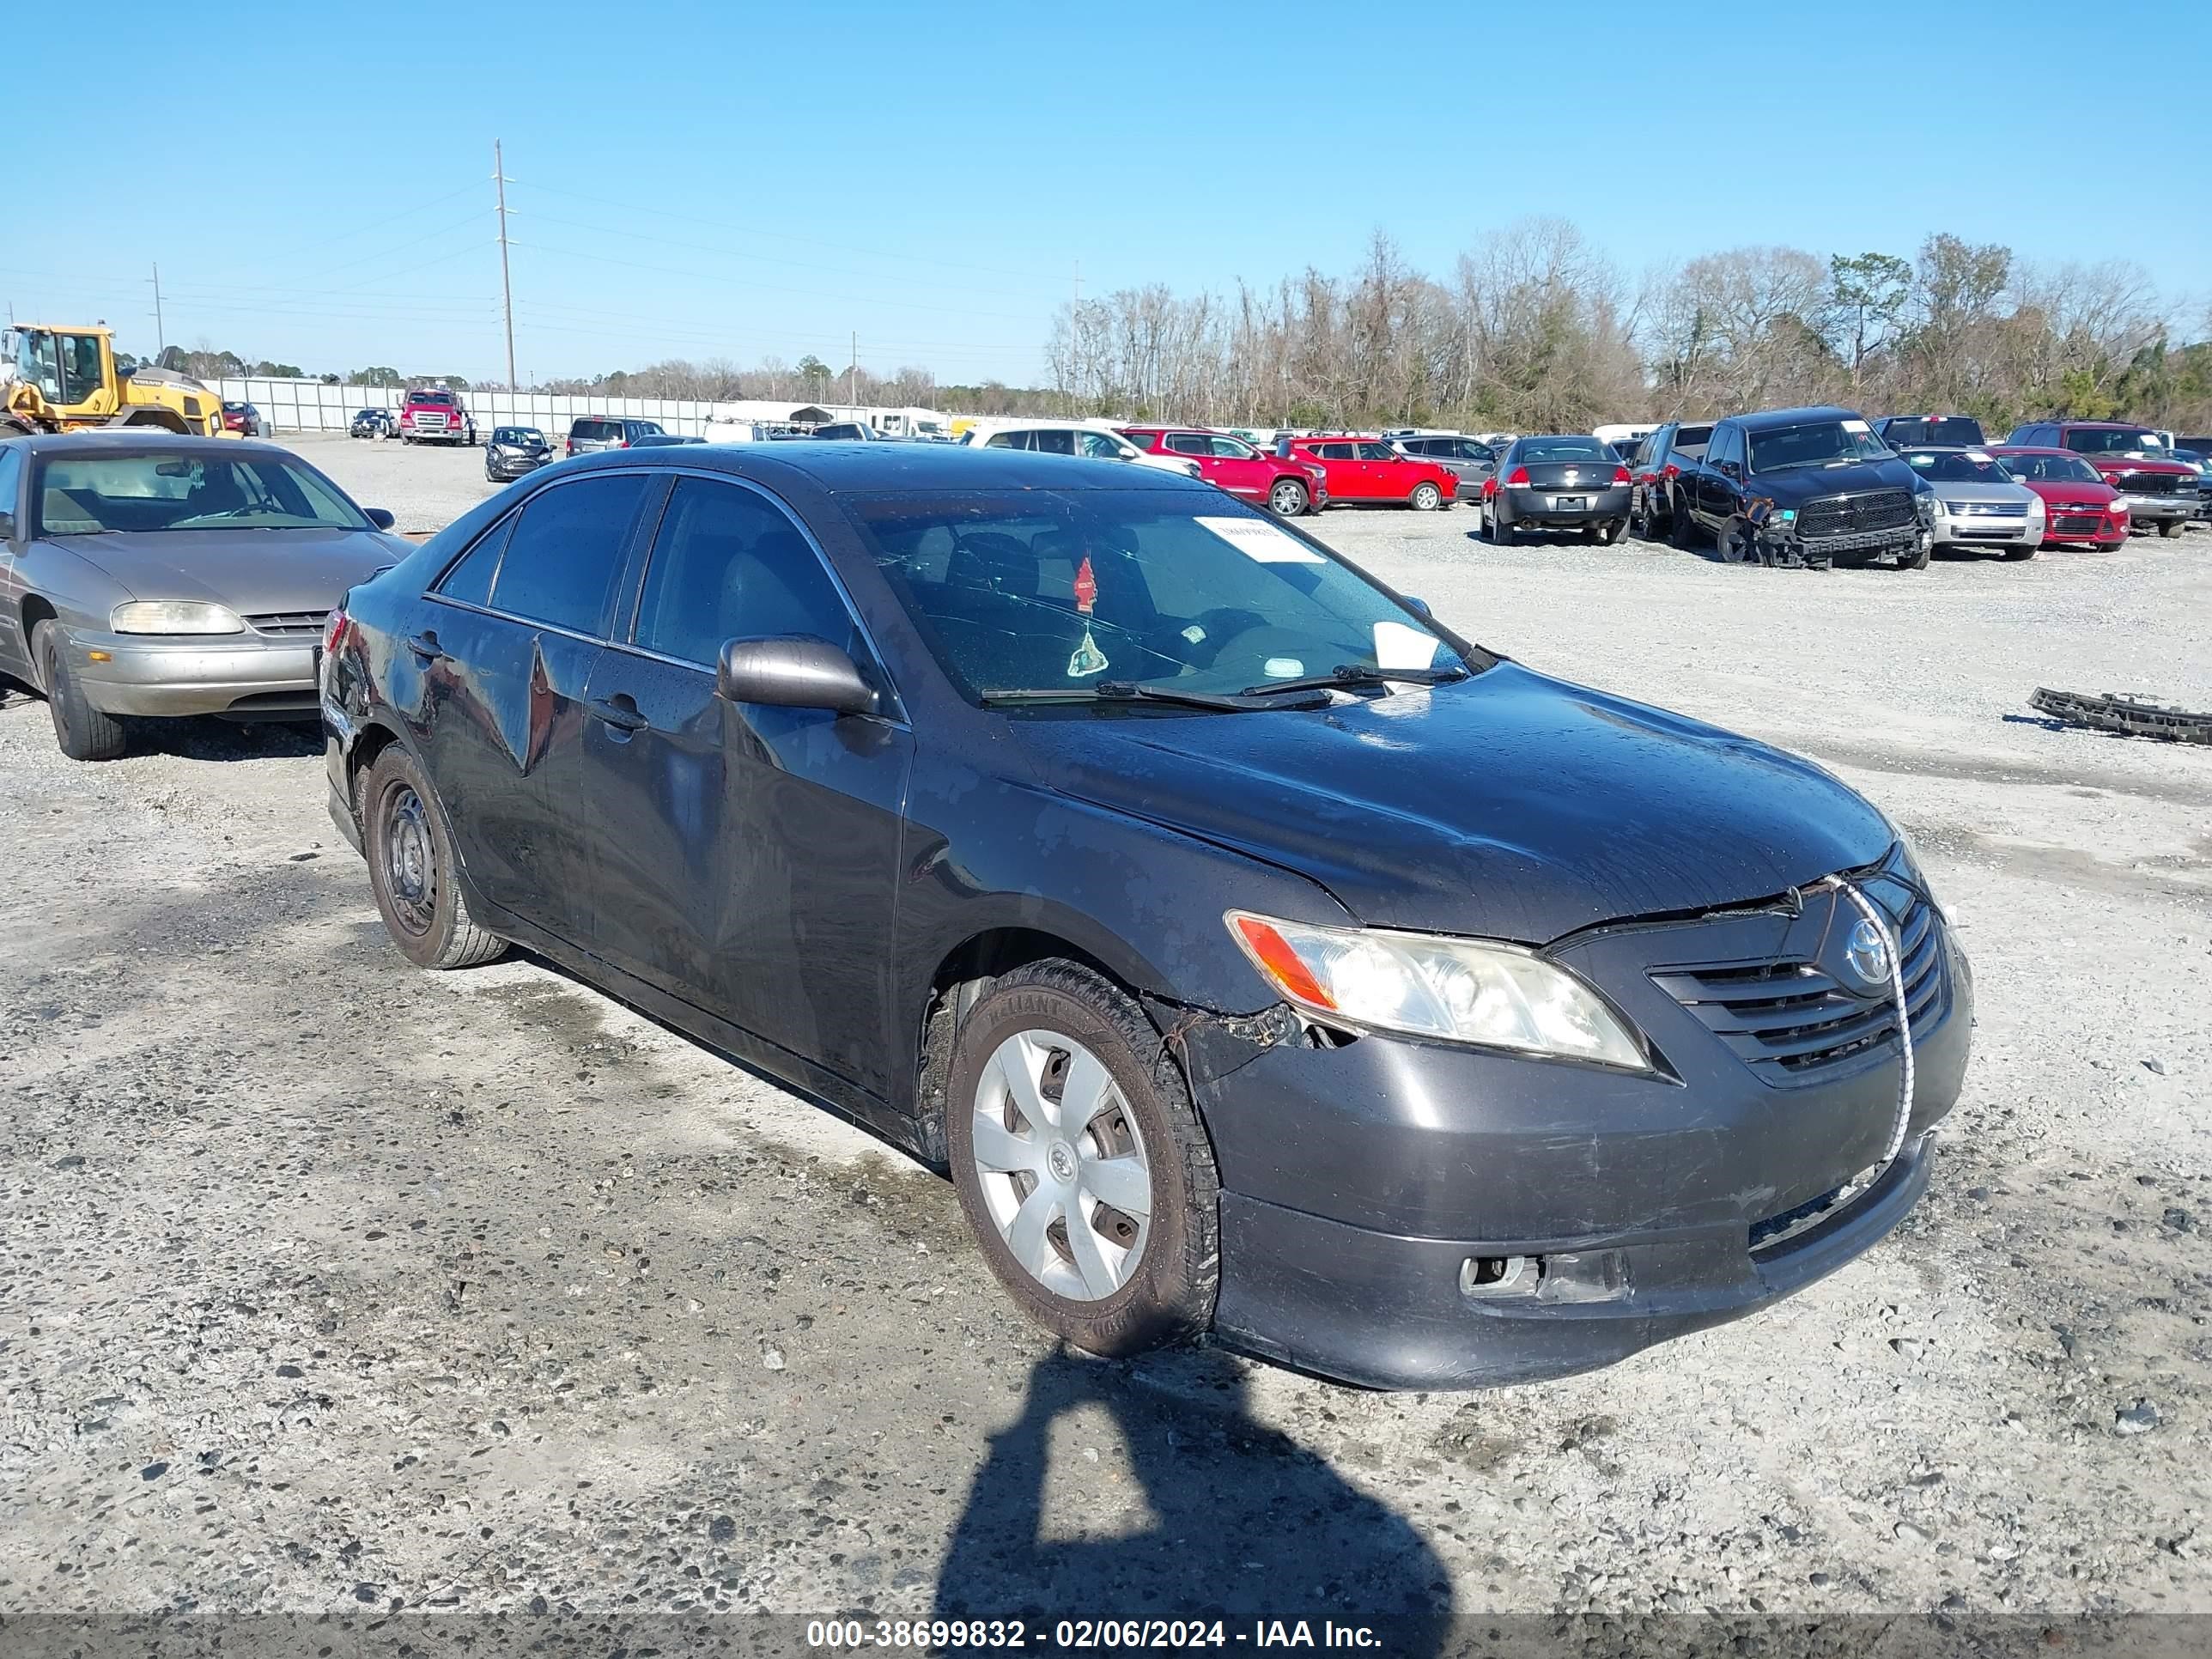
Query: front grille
[
  {"x": 289, "y": 624},
  {"x": 1993, "y": 509},
  {"x": 1791, "y": 1021},
  {"x": 430, "y": 420},
  {"x": 2152, "y": 484},
  {"x": 2077, "y": 523},
  {"x": 1844, "y": 516}
]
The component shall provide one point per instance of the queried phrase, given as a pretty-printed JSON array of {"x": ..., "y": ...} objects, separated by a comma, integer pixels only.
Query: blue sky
[{"x": 748, "y": 178}]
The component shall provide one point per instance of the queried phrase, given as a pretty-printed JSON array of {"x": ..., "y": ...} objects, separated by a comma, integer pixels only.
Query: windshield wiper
[
  {"x": 1348, "y": 675},
  {"x": 1239, "y": 702}
]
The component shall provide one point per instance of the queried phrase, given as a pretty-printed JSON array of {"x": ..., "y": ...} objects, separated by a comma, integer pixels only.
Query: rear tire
[
  {"x": 1069, "y": 1248},
  {"x": 1611, "y": 532},
  {"x": 83, "y": 733},
  {"x": 414, "y": 871},
  {"x": 1501, "y": 533},
  {"x": 1681, "y": 528},
  {"x": 1426, "y": 498}
]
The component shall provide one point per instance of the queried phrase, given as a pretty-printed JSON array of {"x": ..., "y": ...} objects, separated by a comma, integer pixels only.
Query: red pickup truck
[
  {"x": 1369, "y": 469},
  {"x": 433, "y": 414},
  {"x": 2133, "y": 460},
  {"x": 1286, "y": 488}
]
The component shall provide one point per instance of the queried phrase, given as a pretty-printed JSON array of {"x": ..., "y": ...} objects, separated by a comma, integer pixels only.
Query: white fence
[{"x": 311, "y": 406}]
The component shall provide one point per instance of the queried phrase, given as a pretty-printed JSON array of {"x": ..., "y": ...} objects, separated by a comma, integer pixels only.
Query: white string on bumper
[{"x": 1879, "y": 920}]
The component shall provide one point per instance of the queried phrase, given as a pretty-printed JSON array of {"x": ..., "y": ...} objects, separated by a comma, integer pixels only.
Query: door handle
[
  {"x": 619, "y": 713},
  {"x": 425, "y": 645}
]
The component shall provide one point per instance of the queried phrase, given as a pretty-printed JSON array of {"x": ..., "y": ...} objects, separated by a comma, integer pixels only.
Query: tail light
[
  {"x": 1520, "y": 475},
  {"x": 1620, "y": 476},
  {"x": 334, "y": 630},
  {"x": 1670, "y": 471}
]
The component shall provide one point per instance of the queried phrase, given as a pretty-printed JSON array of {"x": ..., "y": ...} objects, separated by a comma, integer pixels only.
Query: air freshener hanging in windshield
[{"x": 1088, "y": 659}]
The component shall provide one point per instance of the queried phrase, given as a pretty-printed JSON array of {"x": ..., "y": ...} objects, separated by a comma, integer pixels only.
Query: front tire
[
  {"x": 1081, "y": 1163},
  {"x": 1918, "y": 559},
  {"x": 1288, "y": 499},
  {"x": 414, "y": 871},
  {"x": 2172, "y": 527},
  {"x": 82, "y": 731},
  {"x": 1732, "y": 544},
  {"x": 1426, "y": 498},
  {"x": 2016, "y": 555}
]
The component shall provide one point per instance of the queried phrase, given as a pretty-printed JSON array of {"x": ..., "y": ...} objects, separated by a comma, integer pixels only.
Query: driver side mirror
[
  {"x": 379, "y": 516},
  {"x": 1420, "y": 606},
  {"x": 792, "y": 672}
]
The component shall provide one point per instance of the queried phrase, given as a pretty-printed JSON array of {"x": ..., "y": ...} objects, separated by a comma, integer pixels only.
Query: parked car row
[{"x": 1197, "y": 1075}]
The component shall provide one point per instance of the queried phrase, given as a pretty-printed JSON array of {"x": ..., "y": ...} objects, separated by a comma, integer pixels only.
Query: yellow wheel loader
[{"x": 61, "y": 379}]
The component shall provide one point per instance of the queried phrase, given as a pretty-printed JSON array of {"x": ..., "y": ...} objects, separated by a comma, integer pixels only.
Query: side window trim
[{"x": 626, "y": 639}]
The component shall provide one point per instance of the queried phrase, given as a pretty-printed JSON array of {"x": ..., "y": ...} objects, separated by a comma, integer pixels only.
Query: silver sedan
[
  {"x": 1978, "y": 504},
  {"x": 146, "y": 575}
]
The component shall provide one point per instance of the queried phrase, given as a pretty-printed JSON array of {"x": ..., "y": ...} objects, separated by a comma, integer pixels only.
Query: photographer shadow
[{"x": 1244, "y": 1525}]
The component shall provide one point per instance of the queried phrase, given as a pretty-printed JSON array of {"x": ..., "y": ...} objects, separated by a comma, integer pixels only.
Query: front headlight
[
  {"x": 1925, "y": 506},
  {"x": 1453, "y": 990},
  {"x": 173, "y": 616}
]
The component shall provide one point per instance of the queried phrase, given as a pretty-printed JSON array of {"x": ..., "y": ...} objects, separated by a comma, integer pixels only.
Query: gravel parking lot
[{"x": 335, "y": 1287}]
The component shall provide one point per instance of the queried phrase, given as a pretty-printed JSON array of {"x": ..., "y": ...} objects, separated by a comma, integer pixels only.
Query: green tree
[
  {"x": 1867, "y": 297},
  {"x": 814, "y": 374},
  {"x": 378, "y": 376},
  {"x": 278, "y": 370}
]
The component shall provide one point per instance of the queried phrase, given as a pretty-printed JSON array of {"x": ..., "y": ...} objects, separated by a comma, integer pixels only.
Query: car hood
[
  {"x": 252, "y": 571},
  {"x": 1806, "y": 483},
  {"x": 1977, "y": 489},
  {"x": 1511, "y": 805},
  {"x": 2062, "y": 492}
]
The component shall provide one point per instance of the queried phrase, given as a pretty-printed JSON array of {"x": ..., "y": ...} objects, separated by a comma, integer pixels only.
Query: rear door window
[
  {"x": 1051, "y": 442},
  {"x": 566, "y": 551},
  {"x": 1336, "y": 451},
  {"x": 1188, "y": 443},
  {"x": 470, "y": 580}
]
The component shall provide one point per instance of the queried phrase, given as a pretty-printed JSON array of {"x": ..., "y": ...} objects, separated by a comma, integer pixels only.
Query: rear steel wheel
[{"x": 414, "y": 871}]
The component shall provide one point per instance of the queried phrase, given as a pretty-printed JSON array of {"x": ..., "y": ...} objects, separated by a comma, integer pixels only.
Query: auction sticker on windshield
[
  {"x": 1261, "y": 541},
  {"x": 1857, "y": 426}
]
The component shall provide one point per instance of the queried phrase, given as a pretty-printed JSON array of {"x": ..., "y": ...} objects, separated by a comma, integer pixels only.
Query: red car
[
  {"x": 2078, "y": 504},
  {"x": 1286, "y": 487},
  {"x": 2136, "y": 460},
  {"x": 1369, "y": 469}
]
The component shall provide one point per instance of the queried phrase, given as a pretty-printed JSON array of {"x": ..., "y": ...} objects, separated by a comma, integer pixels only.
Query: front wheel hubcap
[{"x": 1063, "y": 1167}]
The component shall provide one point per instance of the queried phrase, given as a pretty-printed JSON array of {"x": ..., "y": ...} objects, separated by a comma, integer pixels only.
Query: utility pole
[
  {"x": 506, "y": 288},
  {"x": 160, "y": 334},
  {"x": 853, "y": 374}
]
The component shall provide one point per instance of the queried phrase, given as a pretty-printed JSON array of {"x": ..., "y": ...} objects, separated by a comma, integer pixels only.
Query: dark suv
[
  {"x": 1653, "y": 469},
  {"x": 1258, "y": 955},
  {"x": 1804, "y": 487},
  {"x": 589, "y": 432},
  {"x": 1931, "y": 431}
]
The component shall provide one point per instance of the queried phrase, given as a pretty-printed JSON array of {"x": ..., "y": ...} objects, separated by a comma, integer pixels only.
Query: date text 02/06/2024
[{"x": 937, "y": 1634}]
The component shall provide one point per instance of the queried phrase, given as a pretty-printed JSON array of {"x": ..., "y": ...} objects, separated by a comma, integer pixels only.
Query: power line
[{"x": 902, "y": 256}]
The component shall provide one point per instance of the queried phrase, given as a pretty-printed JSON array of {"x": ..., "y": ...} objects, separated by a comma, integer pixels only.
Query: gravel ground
[{"x": 332, "y": 1287}]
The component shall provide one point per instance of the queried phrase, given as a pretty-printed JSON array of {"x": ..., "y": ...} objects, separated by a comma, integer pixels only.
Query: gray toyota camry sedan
[{"x": 148, "y": 575}]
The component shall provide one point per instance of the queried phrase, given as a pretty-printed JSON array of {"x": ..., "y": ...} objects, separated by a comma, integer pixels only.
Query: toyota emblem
[{"x": 1866, "y": 952}]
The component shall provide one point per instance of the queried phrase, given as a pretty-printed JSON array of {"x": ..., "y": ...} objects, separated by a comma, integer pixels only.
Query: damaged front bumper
[{"x": 1406, "y": 1215}]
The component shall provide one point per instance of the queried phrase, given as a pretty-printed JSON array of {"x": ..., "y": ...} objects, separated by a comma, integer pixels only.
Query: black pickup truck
[{"x": 1802, "y": 487}]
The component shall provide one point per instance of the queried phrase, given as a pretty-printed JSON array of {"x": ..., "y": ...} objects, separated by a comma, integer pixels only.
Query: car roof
[
  {"x": 135, "y": 439},
  {"x": 1774, "y": 417},
  {"x": 849, "y": 468}
]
